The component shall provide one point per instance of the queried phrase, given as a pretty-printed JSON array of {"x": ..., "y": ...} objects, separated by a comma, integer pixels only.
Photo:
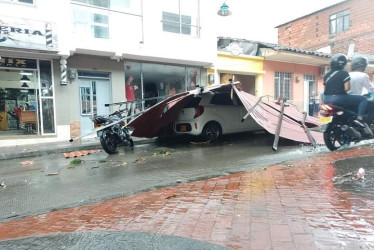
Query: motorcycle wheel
[
  {"x": 335, "y": 138},
  {"x": 108, "y": 142}
]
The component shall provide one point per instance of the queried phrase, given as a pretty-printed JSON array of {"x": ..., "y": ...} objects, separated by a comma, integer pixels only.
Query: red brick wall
[{"x": 312, "y": 32}]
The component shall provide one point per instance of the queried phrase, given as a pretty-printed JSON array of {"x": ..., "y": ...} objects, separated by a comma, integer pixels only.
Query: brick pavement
[{"x": 286, "y": 206}]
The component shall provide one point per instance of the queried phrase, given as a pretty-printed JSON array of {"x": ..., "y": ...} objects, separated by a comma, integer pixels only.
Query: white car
[{"x": 212, "y": 114}]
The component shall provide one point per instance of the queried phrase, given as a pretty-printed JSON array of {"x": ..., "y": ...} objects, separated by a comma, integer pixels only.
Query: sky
[{"x": 257, "y": 19}]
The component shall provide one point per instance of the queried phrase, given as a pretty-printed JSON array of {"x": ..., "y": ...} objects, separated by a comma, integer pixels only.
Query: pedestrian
[
  {"x": 337, "y": 84},
  {"x": 130, "y": 97}
]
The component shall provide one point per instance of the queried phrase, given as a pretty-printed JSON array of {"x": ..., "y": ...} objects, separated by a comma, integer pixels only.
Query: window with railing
[
  {"x": 339, "y": 22},
  {"x": 181, "y": 17},
  {"x": 282, "y": 85}
]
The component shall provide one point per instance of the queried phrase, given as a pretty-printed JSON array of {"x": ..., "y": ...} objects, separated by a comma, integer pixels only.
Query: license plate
[
  {"x": 183, "y": 128},
  {"x": 325, "y": 120}
]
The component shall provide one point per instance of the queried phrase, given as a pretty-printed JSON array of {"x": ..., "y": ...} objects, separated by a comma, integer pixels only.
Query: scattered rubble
[
  {"x": 139, "y": 160},
  {"x": 80, "y": 153},
  {"x": 27, "y": 162},
  {"x": 2, "y": 185}
]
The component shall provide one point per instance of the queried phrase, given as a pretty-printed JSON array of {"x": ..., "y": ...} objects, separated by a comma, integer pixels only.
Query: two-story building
[
  {"x": 346, "y": 27},
  {"x": 79, "y": 53}
]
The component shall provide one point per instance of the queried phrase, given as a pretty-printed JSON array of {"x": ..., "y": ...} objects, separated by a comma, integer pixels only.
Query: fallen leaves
[{"x": 76, "y": 162}]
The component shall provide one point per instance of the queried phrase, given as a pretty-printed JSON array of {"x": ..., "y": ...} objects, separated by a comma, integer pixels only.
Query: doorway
[
  {"x": 93, "y": 94},
  {"x": 310, "y": 95}
]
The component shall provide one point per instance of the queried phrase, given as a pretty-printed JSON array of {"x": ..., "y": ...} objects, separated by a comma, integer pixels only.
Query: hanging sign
[
  {"x": 27, "y": 34},
  {"x": 17, "y": 63}
]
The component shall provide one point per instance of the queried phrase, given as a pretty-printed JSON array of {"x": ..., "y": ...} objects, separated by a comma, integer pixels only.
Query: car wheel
[{"x": 212, "y": 131}]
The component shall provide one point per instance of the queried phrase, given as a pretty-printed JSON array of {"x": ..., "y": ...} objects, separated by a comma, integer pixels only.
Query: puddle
[{"x": 344, "y": 180}]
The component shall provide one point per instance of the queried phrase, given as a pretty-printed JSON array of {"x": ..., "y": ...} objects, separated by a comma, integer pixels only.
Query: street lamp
[{"x": 224, "y": 10}]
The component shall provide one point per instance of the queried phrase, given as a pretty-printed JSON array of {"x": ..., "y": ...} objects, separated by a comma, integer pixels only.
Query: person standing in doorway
[{"x": 130, "y": 97}]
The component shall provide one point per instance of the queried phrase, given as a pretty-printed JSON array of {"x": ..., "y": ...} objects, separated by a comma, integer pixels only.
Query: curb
[{"x": 42, "y": 150}]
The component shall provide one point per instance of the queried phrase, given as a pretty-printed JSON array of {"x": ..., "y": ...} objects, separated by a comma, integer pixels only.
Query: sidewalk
[
  {"x": 33, "y": 150},
  {"x": 294, "y": 205}
]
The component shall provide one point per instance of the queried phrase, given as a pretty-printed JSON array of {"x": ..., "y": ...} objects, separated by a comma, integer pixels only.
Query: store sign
[
  {"x": 17, "y": 63},
  {"x": 27, "y": 34}
]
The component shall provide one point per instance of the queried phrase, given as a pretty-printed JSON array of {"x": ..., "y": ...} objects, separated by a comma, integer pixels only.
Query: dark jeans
[{"x": 346, "y": 101}]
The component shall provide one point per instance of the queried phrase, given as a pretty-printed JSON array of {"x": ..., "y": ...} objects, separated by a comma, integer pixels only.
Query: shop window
[
  {"x": 47, "y": 108},
  {"x": 282, "y": 85},
  {"x": 181, "y": 17},
  {"x": 339, "y": 22},
  {"x": 155, "y": 82}
]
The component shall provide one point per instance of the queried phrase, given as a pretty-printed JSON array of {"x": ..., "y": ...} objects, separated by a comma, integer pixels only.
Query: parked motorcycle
[
  {"x": 339, "y": 128},
  {"x": 113, "y": 131}
]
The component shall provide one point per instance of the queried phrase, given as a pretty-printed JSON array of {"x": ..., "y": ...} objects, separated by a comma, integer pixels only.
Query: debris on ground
[
  {"x": 163, "y": 153},
  {"x": 171, "y": 196},
  {"x": 54, "y": 173},
  {"x": 139, "y": 160},
  {"x": 95, "y": 167},
  {"x": 2, "y": 185},
  {"x": 349, "y": 177},
  {"x": 200, "y": 143},
  {"x": 360, "y": 174},
  {"x": 102, "y": 161},
  {"x": 179, "y": 181},
  {"x": 76, "y": 162},
  {"x": 27, "y": 162},
  {"x": 80, "y": 153}
]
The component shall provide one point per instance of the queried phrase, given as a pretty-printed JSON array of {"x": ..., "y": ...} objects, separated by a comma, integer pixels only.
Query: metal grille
[{"x": 282, "y": 85}]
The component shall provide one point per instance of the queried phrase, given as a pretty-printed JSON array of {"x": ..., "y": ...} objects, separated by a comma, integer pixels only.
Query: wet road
[{"x": 51, "y": 183}]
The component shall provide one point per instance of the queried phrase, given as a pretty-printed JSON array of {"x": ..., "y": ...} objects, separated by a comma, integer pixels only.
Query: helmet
[
  {"x": 338, "y": 61},
  {"x": 359, "y": 62}
]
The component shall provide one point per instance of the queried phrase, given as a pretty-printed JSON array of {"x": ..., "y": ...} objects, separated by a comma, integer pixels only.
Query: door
[
  {"x": 310, "y": 95},
  {"x": 94, "y": 94}
]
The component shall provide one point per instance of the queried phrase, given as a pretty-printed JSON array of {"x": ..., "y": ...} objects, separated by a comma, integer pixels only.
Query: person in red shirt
[{"x": 130, "y": 97}]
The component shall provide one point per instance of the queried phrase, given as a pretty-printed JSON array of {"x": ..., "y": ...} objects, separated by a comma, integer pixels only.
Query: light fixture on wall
[
  {"x": 26, "y": 72},
  {"x": 224, "y": 10},
  {"x": 24, "y": 80},
  {"x": 297, "y": 79}
]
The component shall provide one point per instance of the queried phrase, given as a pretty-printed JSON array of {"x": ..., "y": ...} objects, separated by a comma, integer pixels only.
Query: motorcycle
[
  {"x": 113, "y": 131},
  {"x": 339, "y": 127}
]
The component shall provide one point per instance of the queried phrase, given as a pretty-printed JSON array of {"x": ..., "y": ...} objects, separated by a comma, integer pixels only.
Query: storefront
[
  {"x": 26, "y": 97},
  {"x": 154, "y": 82}
]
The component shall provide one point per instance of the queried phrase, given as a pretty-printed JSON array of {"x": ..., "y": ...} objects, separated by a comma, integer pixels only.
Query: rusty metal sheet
[{"x": 266, "y": 114}]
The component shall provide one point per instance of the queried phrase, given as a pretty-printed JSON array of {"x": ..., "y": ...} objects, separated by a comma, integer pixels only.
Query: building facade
[
  {"x": 345, "y": 27},
  {"x": 78, "y": 54}
]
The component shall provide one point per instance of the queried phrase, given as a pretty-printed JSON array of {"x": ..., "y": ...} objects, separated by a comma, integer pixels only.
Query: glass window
[
  {"x": 339, "y": 22},
  {"x": 85, "y": 93},
  {"x": 282, "y": 84},
  {"x": 46, "y": 78},
  {"x": 222, "y": 98},
  {"x": 21, "y": 1},
  {"x": 181, "y": 17},
  {"x": 88, "y": 22},
  {"x": 48, "y": 116},
  {"x": 128, "y": 6}
]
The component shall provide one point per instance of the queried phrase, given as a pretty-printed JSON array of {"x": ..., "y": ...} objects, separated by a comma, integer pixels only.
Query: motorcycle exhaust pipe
[{"x": 351, "y": 131}]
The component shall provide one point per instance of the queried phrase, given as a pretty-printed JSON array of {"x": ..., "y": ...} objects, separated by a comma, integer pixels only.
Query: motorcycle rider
[
  {"x": 359, "y": 79},
  {"x": 337, "y": 84}
]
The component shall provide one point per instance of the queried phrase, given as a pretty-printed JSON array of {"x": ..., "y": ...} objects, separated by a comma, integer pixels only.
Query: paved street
[
  {"x": 51, "y": 183},
  {"x": 292, "y": 205}
]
